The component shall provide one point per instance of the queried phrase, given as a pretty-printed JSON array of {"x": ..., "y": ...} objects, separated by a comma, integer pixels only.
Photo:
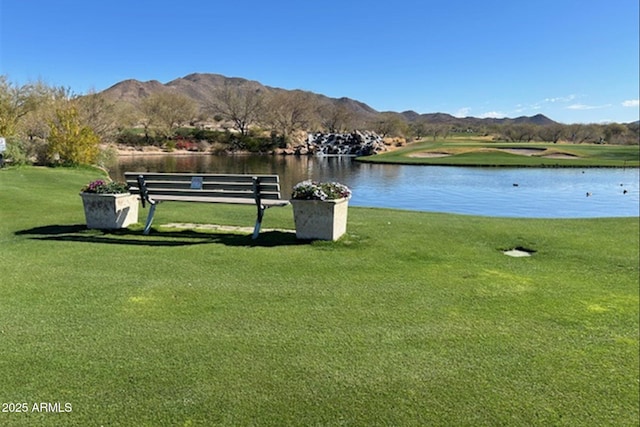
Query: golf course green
[{"x": 410, "y": 319}]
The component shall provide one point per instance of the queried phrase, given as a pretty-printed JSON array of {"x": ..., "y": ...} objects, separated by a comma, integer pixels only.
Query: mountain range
[{"x": 202, "y": 87}]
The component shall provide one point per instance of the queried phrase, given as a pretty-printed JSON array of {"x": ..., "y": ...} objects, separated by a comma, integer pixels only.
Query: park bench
[{"x": 263, "y": 191}]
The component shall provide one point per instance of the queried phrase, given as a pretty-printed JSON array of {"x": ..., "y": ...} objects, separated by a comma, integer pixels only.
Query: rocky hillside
[
  {"x": 203, "y": 87},
  {"x": 443, "y": 118}
]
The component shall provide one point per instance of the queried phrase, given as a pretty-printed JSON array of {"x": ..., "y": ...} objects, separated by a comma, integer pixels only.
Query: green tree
[
  {"x": 436, "y": 130},
  {"x": 419, "y": 128},
  {"x": 241, "y": 104},
  {"x": 336, "y": 118},
  {"x": 614, "y": 133},
  {"x": 288, "y": 112},
  {"x": 15, "y": 102},
  {"x": 42, "y": 102},
  {"x": 552, "y": 133},
  {"x": 390, "y": 124},
  {"x": 166, "y": 111},
  {"x": 71, "y": 142},
  {"x": 97, "y": 112},
  {"x": 590, "y": 133}
]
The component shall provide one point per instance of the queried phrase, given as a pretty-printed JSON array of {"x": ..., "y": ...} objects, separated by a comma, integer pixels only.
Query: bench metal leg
[
  {"x": 152, "y": 211},
  {"x": 256, "y": 229}
]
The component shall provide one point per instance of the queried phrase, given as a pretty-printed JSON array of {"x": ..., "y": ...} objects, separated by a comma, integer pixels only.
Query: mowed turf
[{"x": 412, "y": 318}]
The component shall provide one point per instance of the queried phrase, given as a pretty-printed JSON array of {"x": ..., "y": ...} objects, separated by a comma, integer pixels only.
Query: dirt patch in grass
[{"x": 216, "y": 227}]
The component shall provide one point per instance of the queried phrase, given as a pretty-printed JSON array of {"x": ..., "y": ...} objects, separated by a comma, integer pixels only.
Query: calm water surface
[{"x": 508, "y": 192}]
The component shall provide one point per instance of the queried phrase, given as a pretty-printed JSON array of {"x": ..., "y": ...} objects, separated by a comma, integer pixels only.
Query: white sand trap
[
  {"x": 537, "y": 151},
  {"x": 430, "y": 154},
  {"x": 560, "y": 156},
  {"x": 522, "y": 151}
]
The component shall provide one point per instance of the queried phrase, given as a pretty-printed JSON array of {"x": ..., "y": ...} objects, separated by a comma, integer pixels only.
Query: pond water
[{"x": 506, "y": 192}]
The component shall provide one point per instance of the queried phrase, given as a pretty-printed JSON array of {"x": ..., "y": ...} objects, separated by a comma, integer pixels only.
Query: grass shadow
[{"x": 80, "y": 233}]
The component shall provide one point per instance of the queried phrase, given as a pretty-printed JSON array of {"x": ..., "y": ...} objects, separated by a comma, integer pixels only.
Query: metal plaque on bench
[{"x": 196, "y": 183}]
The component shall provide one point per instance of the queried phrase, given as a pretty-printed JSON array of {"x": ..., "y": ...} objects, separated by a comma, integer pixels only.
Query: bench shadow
[{"x": 80, "y": 233}]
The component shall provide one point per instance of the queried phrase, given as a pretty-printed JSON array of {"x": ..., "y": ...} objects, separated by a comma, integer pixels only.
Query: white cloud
[
  {"x": 463, "y": 112},
  {"x": 579, "y": 107},
  {"x": 631, "y": 103},
  {"x": 520, "y": 108},
  {"x": 587, "y": 107},
  {"x": 492, "y": 115},
  {"x": 568, "y": 98}
]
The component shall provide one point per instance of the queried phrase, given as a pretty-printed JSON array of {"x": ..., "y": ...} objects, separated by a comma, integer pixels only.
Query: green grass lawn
[
  {"x": 411, "y": 319},
  {"x": 474, "y": 151}
]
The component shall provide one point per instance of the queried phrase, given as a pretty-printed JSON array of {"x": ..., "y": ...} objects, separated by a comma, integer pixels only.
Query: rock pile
[{"x": 357, "y": 143}]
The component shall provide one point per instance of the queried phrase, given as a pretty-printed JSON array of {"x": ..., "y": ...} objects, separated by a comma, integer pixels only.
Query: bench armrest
[{"x": 144, "y": 192}]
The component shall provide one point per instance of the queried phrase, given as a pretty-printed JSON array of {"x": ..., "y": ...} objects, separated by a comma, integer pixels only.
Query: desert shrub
[
  {"x": 184, "y": 144},
  {"x": 37, "y": 151},
  {"x": 132, "y": 138},
  {"x": 204, "y": 146},
  {"x": 170, "y": 145},
  {"x": 22, "y": 151},
  {"x": 108, "y": 157},
  {"x": 16, "y": 152},
  {"x": 197, "y": 134},
  {"x": 257, "y": 144}
]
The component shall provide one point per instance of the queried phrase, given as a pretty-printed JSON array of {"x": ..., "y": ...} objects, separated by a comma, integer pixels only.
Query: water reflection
[{"x": 512, "y": 192}]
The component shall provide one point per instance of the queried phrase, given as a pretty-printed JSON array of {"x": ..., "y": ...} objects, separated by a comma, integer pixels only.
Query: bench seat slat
[
  {"x": 161, "y": 186},
  {"x": 165, "y": 192},
  {"x": 229, "y": 200},
  {"x": 186, "y": 177}
]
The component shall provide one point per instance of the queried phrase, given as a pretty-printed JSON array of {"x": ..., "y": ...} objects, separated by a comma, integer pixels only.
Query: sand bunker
[
  {"x": 522, "y": 151},
  {"x": 559, "y": 156},
  {"x": 538, "y": 152},
  {"x": 430, "y": 154}
]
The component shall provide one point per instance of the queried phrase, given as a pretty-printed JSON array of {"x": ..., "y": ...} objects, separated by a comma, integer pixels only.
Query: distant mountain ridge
[
  {"x": 201, "y": 87},
  {"x": 538, "y": 119}
]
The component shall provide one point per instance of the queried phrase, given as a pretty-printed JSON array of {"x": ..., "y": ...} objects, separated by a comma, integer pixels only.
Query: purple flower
[{"x": 100, "y": 186}]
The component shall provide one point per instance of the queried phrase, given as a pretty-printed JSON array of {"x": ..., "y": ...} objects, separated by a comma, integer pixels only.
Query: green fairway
[
  {"x": 411, "y": 319},
  {"x": 474, "y": 151}
]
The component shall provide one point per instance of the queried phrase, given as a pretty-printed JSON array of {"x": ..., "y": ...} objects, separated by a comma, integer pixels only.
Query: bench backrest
[{"x": 199, "y": 185}]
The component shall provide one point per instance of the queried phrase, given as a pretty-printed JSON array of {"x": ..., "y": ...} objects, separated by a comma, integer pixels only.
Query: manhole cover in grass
[{"x": 519, "y": 252}]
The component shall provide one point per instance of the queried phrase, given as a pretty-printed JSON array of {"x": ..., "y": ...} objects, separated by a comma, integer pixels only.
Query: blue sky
[{"x": 575, "y": 61}]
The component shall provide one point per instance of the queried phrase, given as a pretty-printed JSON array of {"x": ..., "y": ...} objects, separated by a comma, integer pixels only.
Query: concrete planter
[
  {"x": 110, "y": 211},
  {"x": 320, "y": 219}
]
